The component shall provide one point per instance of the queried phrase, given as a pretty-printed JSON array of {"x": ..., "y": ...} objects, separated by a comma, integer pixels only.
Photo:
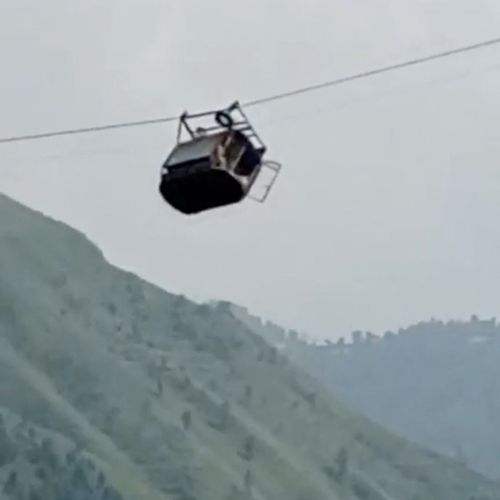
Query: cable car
[{"x": 216, "y": 165}]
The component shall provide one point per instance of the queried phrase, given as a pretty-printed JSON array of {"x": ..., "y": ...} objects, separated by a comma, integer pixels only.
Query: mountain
[
  {"x": 38, "y": 464},
  {"x": 111, "y": 388},
  {"x": 434, "y": 383}
]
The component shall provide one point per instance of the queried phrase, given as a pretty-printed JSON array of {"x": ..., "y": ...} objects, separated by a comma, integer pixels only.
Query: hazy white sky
[{"x": 387, "y": 210}]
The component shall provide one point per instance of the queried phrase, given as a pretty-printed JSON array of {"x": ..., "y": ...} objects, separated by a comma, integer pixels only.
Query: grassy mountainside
[
  {"x": 161, "y": 398},
  {"x": 40, "y": 465},
  {"x": 434, "y": 383}
]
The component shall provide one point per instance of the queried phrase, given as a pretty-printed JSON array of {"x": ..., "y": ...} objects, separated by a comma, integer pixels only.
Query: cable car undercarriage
[{"x": 215, "y": 165}]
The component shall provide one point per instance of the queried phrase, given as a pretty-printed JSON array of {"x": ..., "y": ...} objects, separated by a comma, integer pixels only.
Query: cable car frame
[{"x": 216, "y": 164}]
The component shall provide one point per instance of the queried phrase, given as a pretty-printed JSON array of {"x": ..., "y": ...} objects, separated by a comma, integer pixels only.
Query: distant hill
[
  {"x": 112, "y": 388},
  {"x": 434, "y": 383}
]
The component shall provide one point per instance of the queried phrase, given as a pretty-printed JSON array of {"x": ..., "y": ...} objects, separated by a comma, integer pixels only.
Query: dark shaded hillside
[
  {"x": 161, "y": 398},
  {"x": 40, "y": 465},
  {"x": 434, "y": 383}
]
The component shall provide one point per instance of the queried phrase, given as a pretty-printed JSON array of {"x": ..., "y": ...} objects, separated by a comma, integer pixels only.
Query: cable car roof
[{"x": 196, "y": 148}]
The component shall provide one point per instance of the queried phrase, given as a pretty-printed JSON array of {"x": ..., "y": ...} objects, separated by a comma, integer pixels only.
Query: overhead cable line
[
  {"x": 268, "y": 99},
  {"x": 87, "y": 130},
  {"x": 373, "y": 72}
]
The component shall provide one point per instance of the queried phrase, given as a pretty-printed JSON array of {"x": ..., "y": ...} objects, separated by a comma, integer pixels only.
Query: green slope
[{"x": 176, "y": 400}]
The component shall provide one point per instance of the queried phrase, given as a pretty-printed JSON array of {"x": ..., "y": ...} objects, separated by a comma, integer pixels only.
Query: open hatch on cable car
[{"x": 216, "y": 165}]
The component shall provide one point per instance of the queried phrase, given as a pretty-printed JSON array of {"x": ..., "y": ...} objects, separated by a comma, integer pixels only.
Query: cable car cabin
[
  {"x": 209, "y": 172},
  {"x": 217, "y": 166}
]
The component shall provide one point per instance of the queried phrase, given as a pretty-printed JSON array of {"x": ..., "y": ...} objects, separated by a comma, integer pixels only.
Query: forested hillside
[
  {"x": 435, "y": 383},
  {"x": 112, "y": 388}
]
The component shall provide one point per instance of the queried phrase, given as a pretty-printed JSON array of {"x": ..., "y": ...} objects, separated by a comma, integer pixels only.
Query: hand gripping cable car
[{"x": 215, "y": 165}]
